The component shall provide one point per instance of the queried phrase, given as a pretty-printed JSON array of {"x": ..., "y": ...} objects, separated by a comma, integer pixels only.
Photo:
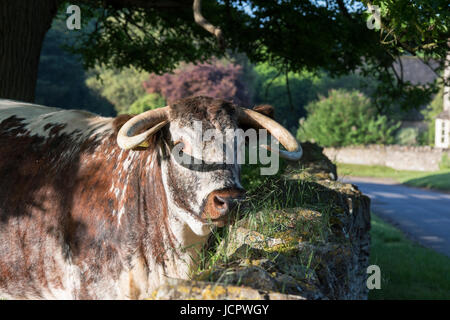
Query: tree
[
  {"x": 119, "y": 87},
  {"x": 155, "y": 35},
  {"x": 61, "y": 78},
  {"x": 23, "y": 25},
  {"x": 418, "y": 28},
  {"x": 211, "y": 79},
  {"x": 270, "y": 87}
]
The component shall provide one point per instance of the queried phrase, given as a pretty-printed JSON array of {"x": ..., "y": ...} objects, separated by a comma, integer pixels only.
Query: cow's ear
[
  {"x": 120, "y": 120},
  {"x": 265, "y": 109}
]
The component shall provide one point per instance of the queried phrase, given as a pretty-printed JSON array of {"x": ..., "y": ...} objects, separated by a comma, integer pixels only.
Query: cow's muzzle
[{"x": 220, "y": 204}]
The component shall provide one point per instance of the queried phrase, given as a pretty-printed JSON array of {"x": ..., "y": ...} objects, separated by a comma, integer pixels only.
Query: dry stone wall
[
  {"x": 321, "y": 250},
  {"x": 423, "y": 158}
]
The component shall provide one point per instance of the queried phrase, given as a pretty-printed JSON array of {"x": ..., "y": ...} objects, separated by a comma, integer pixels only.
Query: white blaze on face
[{"x": 206, "y": 146}]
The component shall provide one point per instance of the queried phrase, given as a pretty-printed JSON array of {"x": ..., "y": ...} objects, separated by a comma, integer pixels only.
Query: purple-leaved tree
[{"x": 216, "y": 79}]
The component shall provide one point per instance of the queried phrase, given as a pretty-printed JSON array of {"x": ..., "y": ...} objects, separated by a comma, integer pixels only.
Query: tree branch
[
  {"x": 148, "y": 3},
  {"x": 201, "y": 21},
  {"x": 270, "y": 83},
  {"x": 196, "y": 7},
  {"x": 343, "y": 9},
  {"x": 291, "y": 105}
]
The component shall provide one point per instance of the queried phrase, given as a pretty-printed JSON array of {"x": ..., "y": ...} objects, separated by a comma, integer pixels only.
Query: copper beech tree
[{"x": 210, "y": 79}]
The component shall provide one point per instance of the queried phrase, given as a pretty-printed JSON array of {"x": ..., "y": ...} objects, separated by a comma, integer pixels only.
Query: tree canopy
[{"x": 290, "y": 35}]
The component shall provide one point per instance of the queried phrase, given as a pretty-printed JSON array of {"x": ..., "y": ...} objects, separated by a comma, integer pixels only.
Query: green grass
[
  {"x": 432, "y": 180},
  {"x": 266, "y": 196},
  {"x": 440, "y": 181},
  {"x": 408, "y": 270}
]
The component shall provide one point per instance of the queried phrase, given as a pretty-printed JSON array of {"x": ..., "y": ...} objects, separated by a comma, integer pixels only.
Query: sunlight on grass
[
  {"x": 432, "y": 180},
  {"x": 275, "y": 208},
  {"x": 409, "y": 271}
]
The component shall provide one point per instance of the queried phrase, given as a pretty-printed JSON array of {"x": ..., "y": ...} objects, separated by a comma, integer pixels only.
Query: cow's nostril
[{"x": 220, "y": 203}]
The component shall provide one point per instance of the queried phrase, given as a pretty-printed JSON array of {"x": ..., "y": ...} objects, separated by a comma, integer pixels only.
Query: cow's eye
[
  {"x": 186, "y": 146},
  {"x": 177, "y": 142}
]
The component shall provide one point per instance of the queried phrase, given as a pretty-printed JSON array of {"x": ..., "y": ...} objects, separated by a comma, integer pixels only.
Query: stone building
[{"x": 442, "y": 137}]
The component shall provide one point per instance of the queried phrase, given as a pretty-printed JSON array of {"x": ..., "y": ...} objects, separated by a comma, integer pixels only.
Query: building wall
[
  {"x": 397, "y": 157},
  {"x": 442, "y": 138}
]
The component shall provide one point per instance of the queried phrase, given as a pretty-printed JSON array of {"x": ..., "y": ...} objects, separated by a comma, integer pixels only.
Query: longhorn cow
[{"x": 97, "y": 208}]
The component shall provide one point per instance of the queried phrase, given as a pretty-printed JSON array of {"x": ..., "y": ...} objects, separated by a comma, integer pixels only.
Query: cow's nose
[{"x": 221, "y": 202}]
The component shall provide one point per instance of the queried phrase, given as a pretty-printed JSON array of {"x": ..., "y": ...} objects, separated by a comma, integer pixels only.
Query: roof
[
  {"x": 415, "y": 71},
  {"x": 444, "y": 115}
]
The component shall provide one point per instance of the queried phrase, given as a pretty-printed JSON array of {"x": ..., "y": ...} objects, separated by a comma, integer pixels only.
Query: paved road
[{"x": 422, "y": 214}]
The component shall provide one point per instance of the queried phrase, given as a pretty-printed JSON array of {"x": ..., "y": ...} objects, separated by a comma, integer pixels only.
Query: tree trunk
[{"x": 23, "y": 25}]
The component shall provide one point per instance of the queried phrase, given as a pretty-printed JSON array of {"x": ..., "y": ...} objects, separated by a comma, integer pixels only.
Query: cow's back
[{"x": 41, "y": 150}]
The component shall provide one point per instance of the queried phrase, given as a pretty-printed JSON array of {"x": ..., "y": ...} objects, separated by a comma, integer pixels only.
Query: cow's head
[{"x": 200, "y": 186}]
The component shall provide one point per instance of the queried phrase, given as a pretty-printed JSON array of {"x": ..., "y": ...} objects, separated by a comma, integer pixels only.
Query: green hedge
[
  {"x": 147, "y": 102},
  {"x": 345, "y": 118}
]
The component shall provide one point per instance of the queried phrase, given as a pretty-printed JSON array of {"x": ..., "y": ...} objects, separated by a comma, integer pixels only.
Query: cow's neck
[
  {"x": 170, "y": 247},
  {"x": 189, "y": 234}
]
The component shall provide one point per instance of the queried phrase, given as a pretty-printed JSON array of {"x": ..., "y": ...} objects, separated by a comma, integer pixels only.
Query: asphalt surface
[{"x": 424, "y": 215}]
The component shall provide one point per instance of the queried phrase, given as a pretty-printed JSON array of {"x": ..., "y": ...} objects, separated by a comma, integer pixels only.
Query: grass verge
[
  {"x": 439, "y": 180},
  {"x": 408, "y": 270}
]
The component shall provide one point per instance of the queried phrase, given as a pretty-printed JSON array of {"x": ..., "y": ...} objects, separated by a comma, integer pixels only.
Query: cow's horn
[
  {"x": 152, "y": 120},
  {"x": 257, "y": 120}
]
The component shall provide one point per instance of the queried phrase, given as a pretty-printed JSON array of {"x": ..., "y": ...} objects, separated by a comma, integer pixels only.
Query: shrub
[
  {"x": 147, "y": 102},
  {"x": 445, "y": 162},
  {"x": 345, "y": 118},
  {"x": 407, "y": 137}
]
